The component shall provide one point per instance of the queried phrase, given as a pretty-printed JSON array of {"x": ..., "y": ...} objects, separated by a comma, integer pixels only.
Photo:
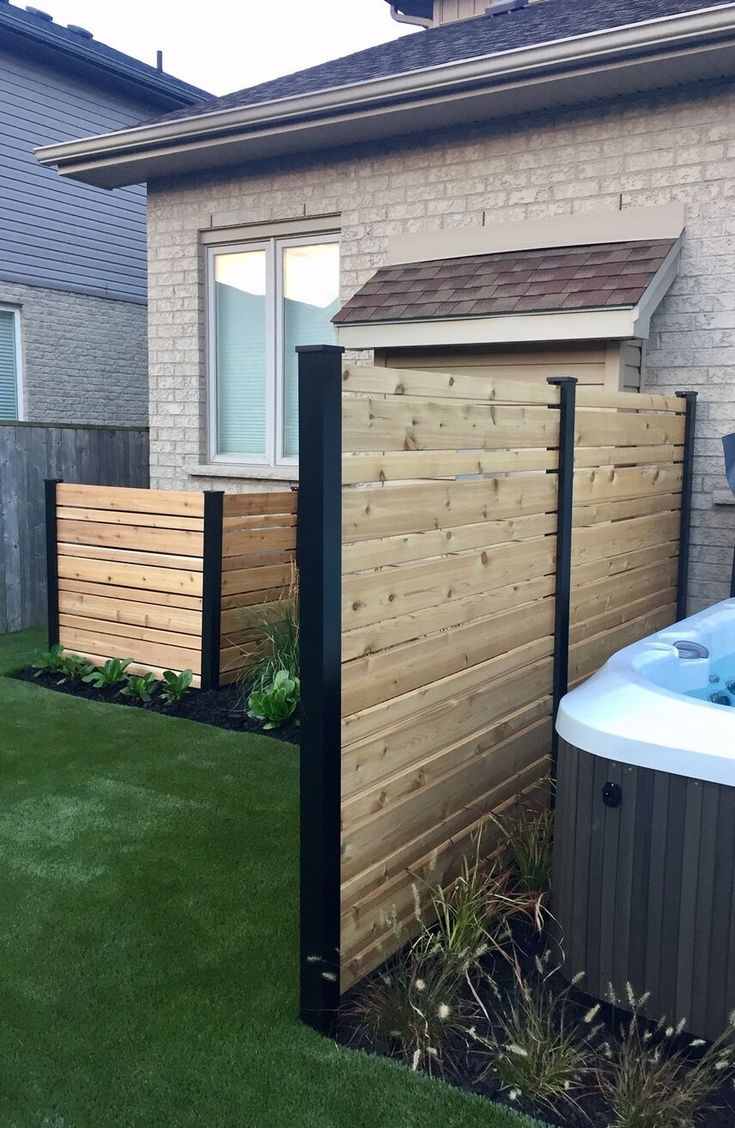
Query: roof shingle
[
  {"x": 545, "y": 22},
  {"x": 598, "y": 276}
]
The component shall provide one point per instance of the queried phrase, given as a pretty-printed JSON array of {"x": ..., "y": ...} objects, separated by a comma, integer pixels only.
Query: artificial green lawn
[{"x": 148, "y": 949}]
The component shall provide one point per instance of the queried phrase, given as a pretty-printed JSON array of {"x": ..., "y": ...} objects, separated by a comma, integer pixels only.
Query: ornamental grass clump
[
  {"x": 416, "y": 1006},
  {"x": 278, "y": 645},
  {"x": 539, "y": 1046},
  {"x": 652, "y": 1077},
  {"x": 527, "y": 838}
]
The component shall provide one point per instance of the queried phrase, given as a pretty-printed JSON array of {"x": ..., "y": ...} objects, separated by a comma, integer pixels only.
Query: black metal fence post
[
  {"x": 212, "y": 588},
  {"x": 690, "y": 420},
  {"x": 52, "y": 561},
  {"x": 565, "y": 504},
  {"x": 320, "y": 577}
]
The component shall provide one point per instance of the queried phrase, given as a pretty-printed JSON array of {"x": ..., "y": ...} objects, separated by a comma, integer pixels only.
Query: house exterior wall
[
  {"x": 653, "y": 151},
  {"x": 60, "y": 232},
  {"x": 84, "y": 359}
]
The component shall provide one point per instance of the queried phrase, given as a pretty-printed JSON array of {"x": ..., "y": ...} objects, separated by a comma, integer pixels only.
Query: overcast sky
[{"x": 224, "y": 45}]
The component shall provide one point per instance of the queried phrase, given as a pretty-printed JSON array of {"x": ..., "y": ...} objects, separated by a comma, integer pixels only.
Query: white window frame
[
  {"x": 274, "y": 348},
  {"x": 16, "y": 311}
]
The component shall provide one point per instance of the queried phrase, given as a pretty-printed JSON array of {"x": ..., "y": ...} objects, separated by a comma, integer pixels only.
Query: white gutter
[{"x": 522, "y": 66}]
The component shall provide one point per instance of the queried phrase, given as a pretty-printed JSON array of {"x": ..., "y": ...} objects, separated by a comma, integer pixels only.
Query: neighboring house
[
  {"x": 544, "y": 188},
  {"x": 72, "y": 257}
]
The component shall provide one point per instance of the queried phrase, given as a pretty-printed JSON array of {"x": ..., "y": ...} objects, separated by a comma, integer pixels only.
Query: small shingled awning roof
[{"x": 600, "y": 276}]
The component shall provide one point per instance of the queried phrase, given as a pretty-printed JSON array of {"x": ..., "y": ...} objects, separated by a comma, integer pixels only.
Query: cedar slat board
[
  {"x": 449, "y": 545},
  {"x": 130, "y": 576},
  {"x": 258, "y": 554}
]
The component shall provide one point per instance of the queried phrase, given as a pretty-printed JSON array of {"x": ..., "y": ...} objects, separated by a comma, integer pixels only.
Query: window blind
[
  {"x": 8, "y": 366},
  {"x": 241, "y": 355}
]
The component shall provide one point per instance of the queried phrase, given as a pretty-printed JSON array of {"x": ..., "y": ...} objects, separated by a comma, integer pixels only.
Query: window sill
[
  {"x": 723, "y": 497},
  {"x": 236, "y": 470}
]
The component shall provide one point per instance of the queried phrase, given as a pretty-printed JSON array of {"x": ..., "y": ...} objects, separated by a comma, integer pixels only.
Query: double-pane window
[{"x": 264, "y": 300}]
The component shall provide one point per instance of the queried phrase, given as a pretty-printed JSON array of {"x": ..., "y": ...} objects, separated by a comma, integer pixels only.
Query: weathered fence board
[{"x": 30, "y": 453}]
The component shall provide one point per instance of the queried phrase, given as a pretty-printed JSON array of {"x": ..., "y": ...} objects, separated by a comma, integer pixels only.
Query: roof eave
[
  {"x": 618, "y": 323},
  {"x": 164, "y": 88},
  {"x": 495, "y": 86}
]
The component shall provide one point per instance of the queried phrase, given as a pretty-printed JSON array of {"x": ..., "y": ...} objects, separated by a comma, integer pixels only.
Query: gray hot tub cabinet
[{"x": 644, "y": 886}]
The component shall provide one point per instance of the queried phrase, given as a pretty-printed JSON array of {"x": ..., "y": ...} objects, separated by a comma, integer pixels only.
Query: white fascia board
[
  {"x": 578, "y": 325},
  {"x": 657, "y": 290},
  {"x": 128, "y": 155},
  {"x": 665, "y": 221}
]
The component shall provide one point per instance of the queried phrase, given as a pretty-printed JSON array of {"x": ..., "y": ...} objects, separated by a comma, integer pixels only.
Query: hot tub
[{"x": 644, "y": 861}]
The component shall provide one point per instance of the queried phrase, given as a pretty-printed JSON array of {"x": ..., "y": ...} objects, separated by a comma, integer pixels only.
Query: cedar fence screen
[
  {"x": 468, "y": 548},
  {"x": 172, "y": 579}
]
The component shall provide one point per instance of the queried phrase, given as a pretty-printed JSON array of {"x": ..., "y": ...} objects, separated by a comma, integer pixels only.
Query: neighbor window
[
  {"x": 9, "y": 363},
  {"x": 265, "y": 298}
]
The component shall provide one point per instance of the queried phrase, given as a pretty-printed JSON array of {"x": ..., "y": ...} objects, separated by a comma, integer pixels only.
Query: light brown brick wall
[{"x": 651, "y": 152}]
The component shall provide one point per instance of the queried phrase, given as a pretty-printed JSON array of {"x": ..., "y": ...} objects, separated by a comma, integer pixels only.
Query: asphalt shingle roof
[
  {"x": 598, "y": 276},
  {"x": 487, "y": 35}
]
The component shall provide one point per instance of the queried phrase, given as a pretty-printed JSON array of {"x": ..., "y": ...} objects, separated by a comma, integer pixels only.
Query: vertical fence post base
[
  {"x": 212, "y": 588},
  {"x": 319, "y": 555},
  {"x": 52, "y": 561},
  {"x": 565, "y": 505},
  {"x": 682, "y": 587}
]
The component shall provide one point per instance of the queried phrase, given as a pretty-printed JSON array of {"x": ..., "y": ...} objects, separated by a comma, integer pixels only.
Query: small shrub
[
  {"x": 73, "y": 666},
  {"x": 415, "y": 1005},
  {"x": 539, "y": 1048},
  {"x": 278, "y": 702},
  {"x": 139, "y": 687},
  {"x": 650, "y": 1079},
  {"x": 174, "y": 686},
  {"x": 109, "y": 675},
  {"x": 49, "y": 661}
]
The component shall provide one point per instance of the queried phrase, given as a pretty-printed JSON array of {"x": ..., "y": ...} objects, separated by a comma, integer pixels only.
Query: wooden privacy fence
[
  {"x": 30, "y": 453},
  {"x": 173, "y": 580},
  {"x": 466, "y": 547}
]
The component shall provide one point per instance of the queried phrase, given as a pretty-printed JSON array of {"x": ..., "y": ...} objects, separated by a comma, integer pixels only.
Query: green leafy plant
[
  {"x": 653, "y": 1078},
  {"x": 539, "y": 1047},
  {"x": 139, "y": 687},
  {"x": 174, "y": 686},
  {"x": 277, "y": 703},
  {"x": 416, "y": 1005},
  {"x": 109, "y": 675},
  {"x": 73, "y": 666},
  {"x": 49, "y": 661}
]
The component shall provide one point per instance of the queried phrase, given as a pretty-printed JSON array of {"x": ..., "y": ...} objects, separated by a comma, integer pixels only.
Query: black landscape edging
[{"x": 220, "y": 708}]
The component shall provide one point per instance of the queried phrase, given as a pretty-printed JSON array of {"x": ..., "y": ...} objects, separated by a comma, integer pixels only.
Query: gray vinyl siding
[{"x": 54, "y": 232}]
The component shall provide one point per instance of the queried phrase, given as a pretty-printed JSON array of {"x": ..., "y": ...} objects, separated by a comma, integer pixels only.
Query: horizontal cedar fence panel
[
  {"x": 627, "y": 522},
  {"x": 131, "y": 565},
  {"x": 30, "y": 453},
  {"x": 131, "y": 576},
  {"x": 258, "y": 570},
  {"x": 447, "y": 629},
  {"x": 447, "y": 611}
]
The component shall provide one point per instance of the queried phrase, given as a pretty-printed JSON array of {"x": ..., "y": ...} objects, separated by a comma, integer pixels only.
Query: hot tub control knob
[{"x": 612, "y": 795}]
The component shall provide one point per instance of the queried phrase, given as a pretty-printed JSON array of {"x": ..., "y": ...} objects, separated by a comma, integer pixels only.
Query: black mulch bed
[
  {"x": 223, "y": 708},
  {"x": 468, "y": 1070}
]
